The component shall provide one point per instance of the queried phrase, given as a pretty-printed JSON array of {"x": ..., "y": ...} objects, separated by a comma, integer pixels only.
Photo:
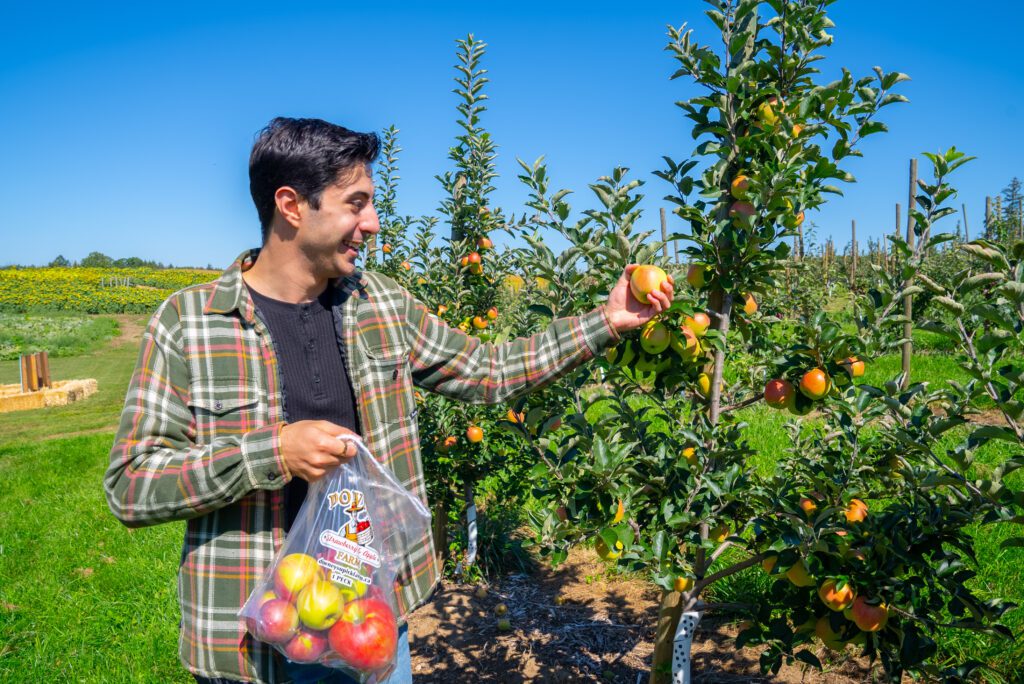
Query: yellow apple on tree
[
  {"x": 815, "y": 384},
  {"x": 698, "y": 323},
  {"x": 853, "y": 366},
  {"x": 836, "y": 595},
  {"x": 749, "y": 304},
  {"x": 739, "y": 187},
  {"x": 682, "y": 583},
  {"x": 856, "y": 511},
  {"x": 620, "y": 513},
  {"x": 799, "y": 576},
  {"x": 696, "y": 275},
  {"x": 606, "y": 553},
  {"x": 655, "y": 337}
]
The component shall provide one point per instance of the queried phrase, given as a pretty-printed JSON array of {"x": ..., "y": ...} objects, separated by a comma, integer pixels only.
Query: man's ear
[{"x": 290, "y": 205}]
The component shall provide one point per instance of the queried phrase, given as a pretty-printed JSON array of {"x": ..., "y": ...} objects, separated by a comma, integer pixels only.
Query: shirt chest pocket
[
  {"x": 225, "y": 407},
  {"x": 387, "y": 386}
]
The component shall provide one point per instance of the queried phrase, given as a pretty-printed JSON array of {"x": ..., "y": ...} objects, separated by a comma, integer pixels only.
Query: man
[{"x": 244, "y": 384}]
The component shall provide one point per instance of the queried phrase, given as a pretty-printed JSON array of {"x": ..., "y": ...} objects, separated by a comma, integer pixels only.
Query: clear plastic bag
[{"x": 329, "y": 596}]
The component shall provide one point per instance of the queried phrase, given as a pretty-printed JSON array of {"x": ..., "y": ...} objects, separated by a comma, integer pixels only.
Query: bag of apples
[{"x": 329, "y": 596}]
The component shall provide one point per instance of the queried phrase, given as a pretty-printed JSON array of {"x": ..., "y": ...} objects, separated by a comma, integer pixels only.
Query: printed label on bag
[
  {"x": 351, "y": 559},
  {"x": 358, "y": 526}
]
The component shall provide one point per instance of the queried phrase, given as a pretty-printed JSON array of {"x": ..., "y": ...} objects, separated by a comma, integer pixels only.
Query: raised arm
[{"x": 460, "y": 366}]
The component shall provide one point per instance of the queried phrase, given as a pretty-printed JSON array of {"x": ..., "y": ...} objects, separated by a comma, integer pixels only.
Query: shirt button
[
  {"x": 271, "y": 476},
  {"x": 311, "y": 345},
  {"x": 217, "y": 405},
  {"x": 316, "y": 379}
]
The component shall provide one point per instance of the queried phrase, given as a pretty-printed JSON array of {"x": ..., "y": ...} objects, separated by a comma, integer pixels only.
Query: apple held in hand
[
  {"x": 366, "y": 636},
  {"x": 306, "y": 647},
  {"x": 645, "y": 280}
]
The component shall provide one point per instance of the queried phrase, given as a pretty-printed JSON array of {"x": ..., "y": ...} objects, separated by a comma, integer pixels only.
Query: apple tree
[{"x": 862, "y": 522}]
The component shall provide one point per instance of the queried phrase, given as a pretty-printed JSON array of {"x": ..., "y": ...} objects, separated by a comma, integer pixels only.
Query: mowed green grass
[
  {"x": 84, "y": 599},
  {"x": 111, "y": 367}
]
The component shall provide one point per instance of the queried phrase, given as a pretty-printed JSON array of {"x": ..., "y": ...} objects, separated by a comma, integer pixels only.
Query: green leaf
[{"x": 994, "y": 432}]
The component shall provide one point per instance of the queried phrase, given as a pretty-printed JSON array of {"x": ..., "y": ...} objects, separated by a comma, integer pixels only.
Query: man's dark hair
[{"x": 304, "y": 154}]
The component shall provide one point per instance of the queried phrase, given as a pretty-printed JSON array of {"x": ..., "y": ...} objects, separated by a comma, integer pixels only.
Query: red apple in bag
[
  {"x": 306, "y": 646},
  {"x": 366, "y": 635},
  {"x": 278, "y": 621}
]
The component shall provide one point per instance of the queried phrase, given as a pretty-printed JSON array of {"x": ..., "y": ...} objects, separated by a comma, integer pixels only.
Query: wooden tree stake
[
  {"x": 664, "y": 235},
  {"x": 908, "y": 306}
]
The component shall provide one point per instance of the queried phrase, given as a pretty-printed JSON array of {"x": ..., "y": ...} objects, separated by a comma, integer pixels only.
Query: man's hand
[
  {"x": 623, "y": 309},
  {"x": 311, "y": 448}
]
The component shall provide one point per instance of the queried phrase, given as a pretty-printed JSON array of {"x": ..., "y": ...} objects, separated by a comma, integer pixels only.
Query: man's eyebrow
[{"x": 357, "y": 194}]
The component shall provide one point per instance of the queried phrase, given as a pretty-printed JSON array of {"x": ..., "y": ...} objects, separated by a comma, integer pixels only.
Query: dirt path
[
  {"x": 132, "y": 326},
  {"x": 575, "y": 625}
]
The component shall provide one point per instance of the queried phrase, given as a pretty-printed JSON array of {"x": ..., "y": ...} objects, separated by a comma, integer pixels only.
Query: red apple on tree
[{"x": 366, "y": 636}]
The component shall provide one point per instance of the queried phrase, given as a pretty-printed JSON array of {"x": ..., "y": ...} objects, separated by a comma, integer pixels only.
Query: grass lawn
[
  {"x": 84, "y": 599},
  {"x": 60, "y": 334},
  {"x": 111, "y": 366}
]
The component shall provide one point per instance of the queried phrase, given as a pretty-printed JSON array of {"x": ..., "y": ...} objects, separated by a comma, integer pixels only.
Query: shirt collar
[{"x": 230, "y": 293}]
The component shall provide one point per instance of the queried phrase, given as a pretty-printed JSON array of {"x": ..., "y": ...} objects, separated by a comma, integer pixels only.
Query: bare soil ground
[
  {"x": 132, "y": 327},
  {"x": 578, "y": 624}
]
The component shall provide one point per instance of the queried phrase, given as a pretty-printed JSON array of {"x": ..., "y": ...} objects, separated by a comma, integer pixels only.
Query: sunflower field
[{"x": 93, "y": 290}]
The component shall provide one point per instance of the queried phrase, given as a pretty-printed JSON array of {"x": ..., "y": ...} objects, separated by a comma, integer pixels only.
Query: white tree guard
[
  {"x": 470, "y": 525},
  {"x": 469, "y": 557},
  {"x": 681, "y": 647}
]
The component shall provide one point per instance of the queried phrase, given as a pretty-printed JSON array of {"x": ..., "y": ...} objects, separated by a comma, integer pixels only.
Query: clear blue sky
[{"x": 128, "y": 125}]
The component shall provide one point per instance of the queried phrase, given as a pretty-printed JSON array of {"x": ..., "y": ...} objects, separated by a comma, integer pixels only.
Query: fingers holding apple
[{"x": 641, "y": 293}]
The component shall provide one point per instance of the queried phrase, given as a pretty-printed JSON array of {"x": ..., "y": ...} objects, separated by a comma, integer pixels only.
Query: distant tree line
[
  {"x": 101, "y": 260},
  {"x": 1005, "y": 216}
]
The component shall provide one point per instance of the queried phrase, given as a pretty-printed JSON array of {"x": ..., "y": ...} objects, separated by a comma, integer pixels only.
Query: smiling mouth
[{"x": 354, "y": 246}]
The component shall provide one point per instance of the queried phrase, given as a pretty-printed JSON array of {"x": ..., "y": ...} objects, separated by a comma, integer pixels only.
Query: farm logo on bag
[
  {"x": 350, "y": 558},
  {"x": 357, "y": 528}
]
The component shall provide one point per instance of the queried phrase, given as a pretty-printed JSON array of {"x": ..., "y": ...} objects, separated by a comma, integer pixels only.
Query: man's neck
[{"x": 283, "y": 279}]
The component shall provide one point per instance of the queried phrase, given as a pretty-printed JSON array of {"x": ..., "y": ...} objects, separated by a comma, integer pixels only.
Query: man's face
[{"x": 332, "y": 236}]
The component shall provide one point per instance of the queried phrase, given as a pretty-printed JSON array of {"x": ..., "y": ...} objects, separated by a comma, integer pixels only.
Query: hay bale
[
  {"x": 22, "y": 402},
  {"x": 62, "y": 393}
]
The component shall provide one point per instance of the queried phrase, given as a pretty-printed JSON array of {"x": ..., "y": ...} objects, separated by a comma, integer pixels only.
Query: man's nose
[{"x": 372, "y": 223}]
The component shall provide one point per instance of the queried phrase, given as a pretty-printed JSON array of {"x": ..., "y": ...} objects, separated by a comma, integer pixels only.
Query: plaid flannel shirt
[{"x": 199, "y": 437}]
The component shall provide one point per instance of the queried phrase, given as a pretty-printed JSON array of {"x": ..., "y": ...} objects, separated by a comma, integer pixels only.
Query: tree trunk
[
  {"x": 664, "y": 637},
  {"x": 440, "y": 530}
]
